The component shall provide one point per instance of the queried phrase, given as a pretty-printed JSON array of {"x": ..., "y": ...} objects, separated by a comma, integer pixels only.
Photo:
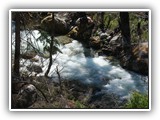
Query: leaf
[
  {"x": 46, "y": 48},
  {"x": 56, "y": 41},
  {"x": 43, "y": 36},
  {"x": 55, "y": 49}
]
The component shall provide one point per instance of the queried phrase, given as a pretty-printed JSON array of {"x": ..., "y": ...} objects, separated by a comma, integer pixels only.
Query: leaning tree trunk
[
  {"x": 51, "y": 46},
  {"x": 17, "y": 45},
  {"x": 125, "y": 28}
]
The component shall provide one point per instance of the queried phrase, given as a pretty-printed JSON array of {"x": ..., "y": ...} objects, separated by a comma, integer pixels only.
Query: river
[{"x": 76, "y": 65}]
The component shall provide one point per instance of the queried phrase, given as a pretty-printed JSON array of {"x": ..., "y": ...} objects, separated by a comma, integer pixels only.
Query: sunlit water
[{"x": 74, "y": 65}]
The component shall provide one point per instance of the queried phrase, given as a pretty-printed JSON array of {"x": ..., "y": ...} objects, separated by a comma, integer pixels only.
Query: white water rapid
[{"x": 90, "y": 70}]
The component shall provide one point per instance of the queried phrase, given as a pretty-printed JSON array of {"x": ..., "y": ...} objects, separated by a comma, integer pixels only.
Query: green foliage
[
  {"x": 45, "y": 38},
  {"x": 138, "y": 101},
  {"x": 111, "y": 20},
  {"x": 54, "y": 50},
  {"x": 134, "y": 20},
  {"x": 71, "y": 97},
  {"x": 79, "y": 104}
]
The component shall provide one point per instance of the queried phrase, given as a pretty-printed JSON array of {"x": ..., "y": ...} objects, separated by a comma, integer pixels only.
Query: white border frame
[{"x": 76, "y": 10}]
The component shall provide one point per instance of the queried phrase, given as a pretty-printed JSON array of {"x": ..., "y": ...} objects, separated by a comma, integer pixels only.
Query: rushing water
[{"x": 75, "y": 65}]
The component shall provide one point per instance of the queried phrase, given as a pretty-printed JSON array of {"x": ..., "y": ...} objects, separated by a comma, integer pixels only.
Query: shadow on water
[{"x": 88, "y": 52}]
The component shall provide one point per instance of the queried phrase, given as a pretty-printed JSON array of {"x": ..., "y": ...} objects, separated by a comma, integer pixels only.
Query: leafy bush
[
  {"x": 79, "y": 104},
  {"x": 138, "y": 101},
  {"x": 134, "y": 20}
]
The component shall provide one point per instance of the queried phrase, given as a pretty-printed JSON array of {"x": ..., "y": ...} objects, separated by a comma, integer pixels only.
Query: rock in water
[
  {"x": 28, "y": 55},
  {"x": 34, "y": 59},
  {"x": 34, "y": 68},
  {"x": 95, "y": 42},
  {"x": 63, "y": 39}
]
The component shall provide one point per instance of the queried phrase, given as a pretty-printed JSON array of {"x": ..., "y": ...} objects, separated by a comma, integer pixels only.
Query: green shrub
[
  {"x": 79, "y": 104},
  {"x": 138, "y": 101}
]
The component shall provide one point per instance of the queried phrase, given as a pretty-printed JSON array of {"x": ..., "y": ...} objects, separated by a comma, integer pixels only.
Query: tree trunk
[
  {"x": 17, "y": 45},
  {"x": 51, "y": 47},
  {"x": 102, "y": 21},
  {"x": 125, "y": 28}
]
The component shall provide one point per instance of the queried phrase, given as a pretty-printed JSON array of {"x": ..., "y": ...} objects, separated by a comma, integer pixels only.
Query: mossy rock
[{"x": 64, "y": 39}]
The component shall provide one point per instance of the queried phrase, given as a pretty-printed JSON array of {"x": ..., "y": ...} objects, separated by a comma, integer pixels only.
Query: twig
[
  {"x": 59, "y": 77},
  {"x": 42, "y": 93}
]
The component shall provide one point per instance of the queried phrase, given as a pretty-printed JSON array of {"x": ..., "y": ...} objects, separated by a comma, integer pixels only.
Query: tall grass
[{"x": 138, "y": 101}]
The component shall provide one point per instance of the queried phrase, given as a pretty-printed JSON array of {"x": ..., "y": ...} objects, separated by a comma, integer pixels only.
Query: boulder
[
  {"x": 35, "y": 59},
  {"x": 63, "y": 39},
  {"x": 141, "y": 51},
  {"x": 107, "y": 50},
  {"x": 138, "y": 59},
  {"x": 104, "y": 36},
  {"x": 95, "y": 42},
  {"x": 85, "y": 26},
  {"x": 34, "y": 68},
  {"x": 60, "y": 26},
  {"x": 73, "y": 32},
  {"x": 28, "y": 54},
  {"x": 141, "y": 55},
  {"x": 116, "y": 40},
  {"x": 26, "y": 96},
  {"x": 45, "y": 54}
]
